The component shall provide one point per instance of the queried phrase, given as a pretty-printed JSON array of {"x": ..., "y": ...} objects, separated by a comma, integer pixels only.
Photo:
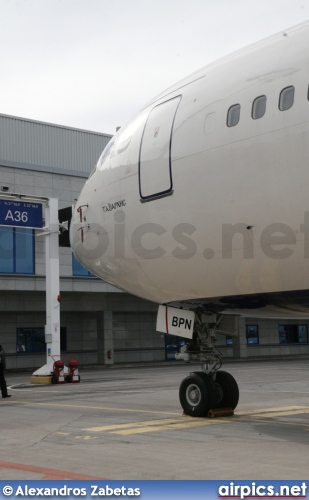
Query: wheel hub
[{"x": 193, "y": 394}]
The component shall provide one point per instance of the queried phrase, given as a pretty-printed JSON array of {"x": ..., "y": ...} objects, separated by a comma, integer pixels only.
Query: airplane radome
[{"x": 200, "y": 203}]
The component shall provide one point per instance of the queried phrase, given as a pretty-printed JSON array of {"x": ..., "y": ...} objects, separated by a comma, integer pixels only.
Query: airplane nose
[
  {"x": 73, "y": 233},
  {"x": 88, "y": 237},
  {"x": 78, "y": 223}
]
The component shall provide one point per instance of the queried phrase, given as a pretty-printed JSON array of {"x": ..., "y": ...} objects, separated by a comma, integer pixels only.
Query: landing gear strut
[{"x": 211, "y": 387}]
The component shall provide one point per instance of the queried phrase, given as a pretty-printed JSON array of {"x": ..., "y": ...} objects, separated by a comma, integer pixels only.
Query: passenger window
[
  {"x": 286, "y": 99},
  {"x": 259, "y": 107},
  {"x": 233, "y": 115}
]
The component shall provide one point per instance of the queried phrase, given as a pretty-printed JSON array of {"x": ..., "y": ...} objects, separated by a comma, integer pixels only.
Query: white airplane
[{"x": 201, "y": 204}]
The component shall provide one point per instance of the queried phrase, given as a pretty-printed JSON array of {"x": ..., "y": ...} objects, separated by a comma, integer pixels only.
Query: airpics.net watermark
[{"x": 149, "y": 240}]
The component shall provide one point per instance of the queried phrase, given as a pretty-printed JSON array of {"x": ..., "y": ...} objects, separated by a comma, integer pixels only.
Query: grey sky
[{"x": 92, "y": 64}]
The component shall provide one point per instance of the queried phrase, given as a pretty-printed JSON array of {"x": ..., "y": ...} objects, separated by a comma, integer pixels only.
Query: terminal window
[
  {"x": 16, "y": 250},
  {"x": 79, "y": 269},
  {"x": 33, "y": 339},
  {"x": 293, "y": 334},
  {"x": 252, "y": 334}
]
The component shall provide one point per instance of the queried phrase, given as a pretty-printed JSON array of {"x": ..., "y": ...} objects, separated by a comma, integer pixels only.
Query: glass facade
[
  {"x": 252, "y": 334},
  {"x": 33, "y": 339},
  {"x": 293, "y": 334},
  {"x": 16, "y": 250},
  {"x": 79, "y": 269}
]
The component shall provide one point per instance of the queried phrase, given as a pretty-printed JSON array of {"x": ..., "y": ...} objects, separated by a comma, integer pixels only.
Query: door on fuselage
[{"x": 155, "y": 167}]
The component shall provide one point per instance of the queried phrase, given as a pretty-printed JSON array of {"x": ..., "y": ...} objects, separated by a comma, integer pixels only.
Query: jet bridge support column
[
  {"x": 52, "y": 328},
  {"x": 240, "y": 343},
  {"x": 52, "y": 333}
]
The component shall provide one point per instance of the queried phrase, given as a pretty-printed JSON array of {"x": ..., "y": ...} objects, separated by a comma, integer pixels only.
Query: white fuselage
[{"x": 182, "y": 206}]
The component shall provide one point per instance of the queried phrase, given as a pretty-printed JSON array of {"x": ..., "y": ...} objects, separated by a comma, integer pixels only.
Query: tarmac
[{"x": 125, "y": 422}]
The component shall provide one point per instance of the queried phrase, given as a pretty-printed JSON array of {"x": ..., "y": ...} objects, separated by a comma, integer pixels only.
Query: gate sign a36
[{"x": 21, "y": 213}]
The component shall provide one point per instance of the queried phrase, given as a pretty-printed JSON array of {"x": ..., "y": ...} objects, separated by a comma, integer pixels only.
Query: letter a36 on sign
[{"x": 175, "y": 321}]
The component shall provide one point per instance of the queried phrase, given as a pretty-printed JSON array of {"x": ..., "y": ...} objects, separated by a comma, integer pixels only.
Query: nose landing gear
[{"x": 211, "y": 388}]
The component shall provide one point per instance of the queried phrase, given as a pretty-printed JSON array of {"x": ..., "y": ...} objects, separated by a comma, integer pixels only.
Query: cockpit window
[
  {"x": 102, "y": 164},
  {"x": 126, "y": 133}
]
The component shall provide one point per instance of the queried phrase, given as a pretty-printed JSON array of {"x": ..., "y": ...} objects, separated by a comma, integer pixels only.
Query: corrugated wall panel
[{"x": 43, "y": 144}]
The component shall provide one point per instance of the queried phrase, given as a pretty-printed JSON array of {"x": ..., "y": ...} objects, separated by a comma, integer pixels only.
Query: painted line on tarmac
[
  {"x": 46, "y": 473},
  {"x": 184, "y": 422},
  {"x": 103, "y": 408},
  {"x": 83, "y": 437},
  {"x": 265, "y": 420},
  {"x": 268, "y": 415},
  {"x": 288, "y": 413},
  {"x": 266, "y": 412},
  {"x": 168, "y": 427},
  {"x": 155, "y": 425},
  {"x": 11, "y": 387},
  {"x": 277, "y": 409},
  {"x": 261, "y": 391}
]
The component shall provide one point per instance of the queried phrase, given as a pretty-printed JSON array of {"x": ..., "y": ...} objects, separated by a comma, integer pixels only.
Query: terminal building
[{"x": 99, "y": 323}]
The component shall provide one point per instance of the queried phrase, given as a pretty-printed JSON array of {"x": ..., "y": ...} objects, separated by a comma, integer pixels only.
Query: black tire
[
  {"x": 195, "y": 395},
  {"x": 208, "y": 380},
  {"x": 227, "y": 392}
]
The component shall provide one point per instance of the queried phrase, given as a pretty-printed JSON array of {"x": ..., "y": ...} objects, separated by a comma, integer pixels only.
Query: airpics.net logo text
[
  {"x": 254, "y": 490},
  {"x": 148, "y": 241}
]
